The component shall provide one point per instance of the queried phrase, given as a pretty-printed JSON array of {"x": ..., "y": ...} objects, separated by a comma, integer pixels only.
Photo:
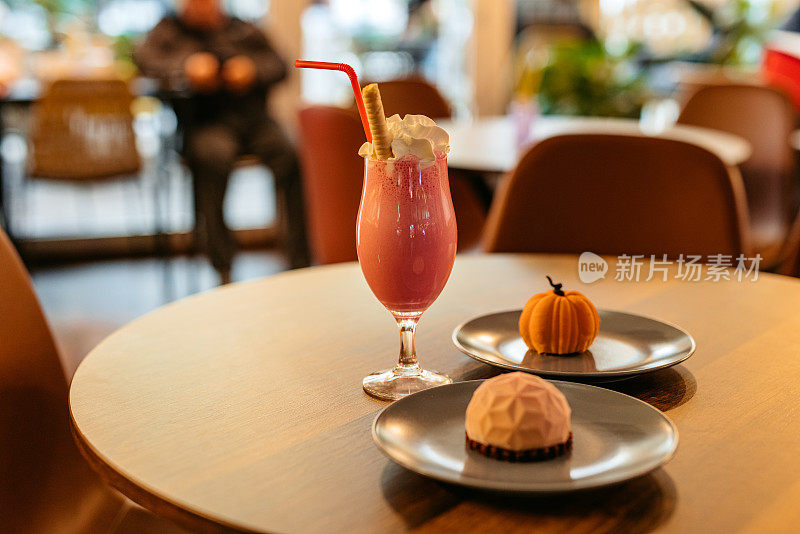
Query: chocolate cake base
[{"x": 527, "y": 455}]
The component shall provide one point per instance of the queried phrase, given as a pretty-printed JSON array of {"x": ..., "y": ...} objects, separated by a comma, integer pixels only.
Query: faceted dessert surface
[{"x": 518, "y": 411}]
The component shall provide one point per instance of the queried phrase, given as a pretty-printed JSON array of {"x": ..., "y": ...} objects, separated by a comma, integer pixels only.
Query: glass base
[{"x": 402, "y": 381}]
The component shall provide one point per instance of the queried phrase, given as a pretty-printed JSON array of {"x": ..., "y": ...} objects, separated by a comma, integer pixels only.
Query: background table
[
  {"x": 488, "y": 144},
  {"x": 243, "y": 406}
]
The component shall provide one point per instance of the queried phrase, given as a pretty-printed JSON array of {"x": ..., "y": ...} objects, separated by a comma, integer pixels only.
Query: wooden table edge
[{"x": 146, "y": 498}]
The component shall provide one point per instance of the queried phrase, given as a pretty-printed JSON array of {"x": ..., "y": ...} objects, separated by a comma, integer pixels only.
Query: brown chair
[
  {"x": 790, "y": 262},
  {"x": 45, "y": 484},
  {"x": 765, "y": 117},
  {"x": 413, "y": 96},
  {"x": 614, "y": 194},
  {"x": 333, "y": 177}
]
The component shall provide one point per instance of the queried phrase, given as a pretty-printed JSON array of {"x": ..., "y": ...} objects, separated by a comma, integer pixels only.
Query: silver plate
[
  {"x": 627, "y": 345},
  {"x": 615, "y": 438}
]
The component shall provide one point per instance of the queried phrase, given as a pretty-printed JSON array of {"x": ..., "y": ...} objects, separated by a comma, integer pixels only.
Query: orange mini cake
[
  {"x": 559, "y": 322},
  {"x": 520, "y": 418}
]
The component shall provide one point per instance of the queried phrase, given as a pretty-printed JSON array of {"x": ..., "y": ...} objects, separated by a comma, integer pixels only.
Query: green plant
[
  {"x": 740, "y": 28},
  {"x": 123, "y": 48},
  {"x": 56, "y": 10},
  {"x": 583, "y": 78}
]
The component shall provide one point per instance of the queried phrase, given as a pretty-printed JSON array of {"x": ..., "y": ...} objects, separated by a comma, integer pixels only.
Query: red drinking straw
[{"x": 347, "y": 69}]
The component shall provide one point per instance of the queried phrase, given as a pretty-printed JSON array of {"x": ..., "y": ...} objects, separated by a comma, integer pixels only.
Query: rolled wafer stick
[{"x": 381, "y": 139}]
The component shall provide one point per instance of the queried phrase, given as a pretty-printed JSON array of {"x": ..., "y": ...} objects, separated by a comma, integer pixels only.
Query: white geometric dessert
[{"x": 518, "y": 416}]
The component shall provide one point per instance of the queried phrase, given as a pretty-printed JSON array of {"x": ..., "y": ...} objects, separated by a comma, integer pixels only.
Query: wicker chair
[{"x": 82, "y": 133}]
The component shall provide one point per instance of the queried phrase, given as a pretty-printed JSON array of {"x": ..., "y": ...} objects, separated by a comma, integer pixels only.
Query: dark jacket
[{"x": 165, "y": 49}]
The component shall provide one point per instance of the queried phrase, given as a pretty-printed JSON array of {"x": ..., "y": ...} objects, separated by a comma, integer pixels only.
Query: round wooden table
[
  {"x": 242, "y": 407},
  {"x": 488, "y": 144}
]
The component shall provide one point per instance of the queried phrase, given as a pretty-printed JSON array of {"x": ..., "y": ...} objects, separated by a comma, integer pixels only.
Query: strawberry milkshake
[
  {"x": 406, "y": 234},
  {"x": 406, "y": 238}
]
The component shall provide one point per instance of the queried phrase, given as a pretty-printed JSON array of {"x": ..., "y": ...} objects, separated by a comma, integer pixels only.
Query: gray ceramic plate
[
  {"x": 627, "y": 345},
  {"x": 615, "y": 438}
]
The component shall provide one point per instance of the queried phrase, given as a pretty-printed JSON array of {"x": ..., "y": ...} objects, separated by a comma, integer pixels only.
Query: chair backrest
[
  {"x": 83, "y": 130},
  {"x": 765, "y": 117},
  {"x": 413, "y": 96},
  {"x": 615, "y": 194},
  {"x": 45, "y": 485},
  {"x": 27, "y": 350},
  {"x": 790, "y": 261},
  {"x": 333, "y": 175}
]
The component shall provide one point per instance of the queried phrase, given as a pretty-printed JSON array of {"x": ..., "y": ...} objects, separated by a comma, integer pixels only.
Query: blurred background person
[{"x": 227, "y": 66}]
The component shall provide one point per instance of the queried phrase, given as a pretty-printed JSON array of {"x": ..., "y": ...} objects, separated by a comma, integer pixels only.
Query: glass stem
[{"x": 408, "y": 355}]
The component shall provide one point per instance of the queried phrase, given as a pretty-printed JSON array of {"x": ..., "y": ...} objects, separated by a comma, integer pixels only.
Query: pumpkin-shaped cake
[{"x": 559, "y": 322}]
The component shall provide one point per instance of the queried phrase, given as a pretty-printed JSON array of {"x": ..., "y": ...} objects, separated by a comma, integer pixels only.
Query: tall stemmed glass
[{"x": 406, "y": 240}]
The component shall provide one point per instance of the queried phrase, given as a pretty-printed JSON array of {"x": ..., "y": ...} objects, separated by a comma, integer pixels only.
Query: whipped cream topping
[{"x": 415, "y": 135}]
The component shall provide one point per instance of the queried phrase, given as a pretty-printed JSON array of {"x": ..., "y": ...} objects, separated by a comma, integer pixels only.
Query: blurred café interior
[
  {"x": 138, "y": 169},
  {"x": 103, "y": 213}
]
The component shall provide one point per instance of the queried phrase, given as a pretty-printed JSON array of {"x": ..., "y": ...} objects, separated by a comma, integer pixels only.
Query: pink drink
[{"x": 406, "y": 233}]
